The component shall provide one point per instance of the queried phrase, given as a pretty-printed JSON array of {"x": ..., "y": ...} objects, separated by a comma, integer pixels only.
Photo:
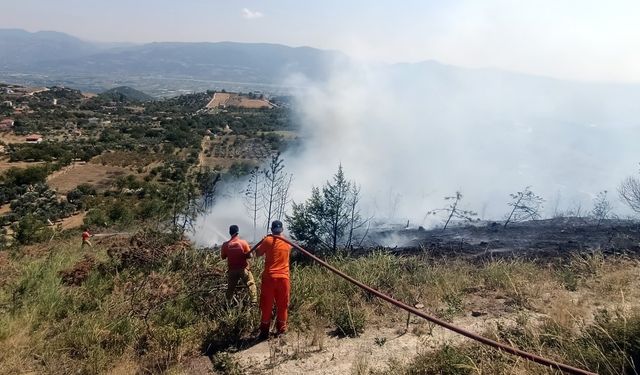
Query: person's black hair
[{"x": 276, "y": 227}]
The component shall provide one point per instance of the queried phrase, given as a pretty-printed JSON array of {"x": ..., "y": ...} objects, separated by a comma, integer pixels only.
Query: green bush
[
  {"x": 96, "y": 217},
  {"x": 350, "y": 322},
  {"x": 31, "y": 229},
  {"x": 226, "y": 364}
]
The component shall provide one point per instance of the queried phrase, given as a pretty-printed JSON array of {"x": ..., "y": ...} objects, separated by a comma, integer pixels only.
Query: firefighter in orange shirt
[
  {"x": 236, "y": 251},
  {"x": 85, "y": 238},
  {"x": 275, "y": 280}
]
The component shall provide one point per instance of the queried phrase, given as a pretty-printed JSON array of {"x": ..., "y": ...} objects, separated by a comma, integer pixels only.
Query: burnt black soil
[{"x": 532, "y": 239}]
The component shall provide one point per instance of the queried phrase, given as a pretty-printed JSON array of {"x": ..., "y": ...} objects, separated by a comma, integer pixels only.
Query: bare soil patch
[
  {"x": 100, "y": 176},
  {"x": 218, "y": 99},
  {"x": 10, "y": 137},
  {"x": 225, "y": 99},
  {"x": 73, "y": 221},
  {"x": 5, "y": 209}
]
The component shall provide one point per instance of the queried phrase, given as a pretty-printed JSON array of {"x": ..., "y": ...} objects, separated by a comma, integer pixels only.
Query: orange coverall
[{"x": 275, "y": 282}]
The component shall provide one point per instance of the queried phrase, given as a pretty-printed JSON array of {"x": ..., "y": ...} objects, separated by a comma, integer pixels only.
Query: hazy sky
[{"x": 577, "y": 39}]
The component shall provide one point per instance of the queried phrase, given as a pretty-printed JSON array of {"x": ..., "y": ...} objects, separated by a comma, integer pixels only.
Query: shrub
[
  {"x": 445, "y": 361},
  {"x": 350, "y": 322},
  {"x": 96, "y": 217},
  {"x": 225, "y": 364},
  {"x": 31, "y": 229}
]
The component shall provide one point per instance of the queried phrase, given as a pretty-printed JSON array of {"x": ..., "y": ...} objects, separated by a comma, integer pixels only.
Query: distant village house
[{"x": 34, "y": 138}]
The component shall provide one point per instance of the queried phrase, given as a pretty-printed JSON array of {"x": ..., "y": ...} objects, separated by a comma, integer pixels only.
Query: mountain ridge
[{"x": 48, "y": 58}]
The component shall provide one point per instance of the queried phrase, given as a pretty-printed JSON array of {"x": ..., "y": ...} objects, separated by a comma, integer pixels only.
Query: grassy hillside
[{"x": 149, "y": 304}]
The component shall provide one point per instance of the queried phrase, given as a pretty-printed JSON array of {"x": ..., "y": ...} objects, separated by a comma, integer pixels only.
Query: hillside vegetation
[
  {"x": 124, "y": 94},
  {"x": 150, "y": 304},
  {"x": 145, "y": 300}
]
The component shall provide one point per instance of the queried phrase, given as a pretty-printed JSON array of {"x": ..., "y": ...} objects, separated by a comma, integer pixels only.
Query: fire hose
[{"x": 500, "y": 346}]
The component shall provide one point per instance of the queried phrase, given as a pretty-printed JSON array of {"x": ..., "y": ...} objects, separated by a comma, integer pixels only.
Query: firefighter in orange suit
[{"x": 275, "y": 280}]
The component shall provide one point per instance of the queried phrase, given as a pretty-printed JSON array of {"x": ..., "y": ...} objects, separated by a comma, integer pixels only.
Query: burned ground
[{"x": 532, "y": 239}]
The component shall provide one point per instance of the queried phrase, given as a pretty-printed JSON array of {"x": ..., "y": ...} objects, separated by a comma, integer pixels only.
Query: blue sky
[{"x": 584, "y": 40}]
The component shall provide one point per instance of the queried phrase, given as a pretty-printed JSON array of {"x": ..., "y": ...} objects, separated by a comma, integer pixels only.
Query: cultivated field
[
  {"x": 224, "y": 151},
  {"x": 218, "y": 99},
  {"x": 225, "y": 99},
  {"x": 100, "y": 176}
]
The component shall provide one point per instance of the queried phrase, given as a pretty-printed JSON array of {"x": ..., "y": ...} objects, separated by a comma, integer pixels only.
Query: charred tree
[
  {"x": 629, "y": 191},
  {"x": 601, "y": 208},
  {"x": 252, "y": 195},
  {"x": 526, "y": 206},
  {"x": 275, "y": 189},
  {"x": 453, "y": 211},
  {"x": 207, "y": 181}
]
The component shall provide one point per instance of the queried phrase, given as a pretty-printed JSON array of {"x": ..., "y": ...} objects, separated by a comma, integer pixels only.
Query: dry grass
[
  {"x": 218, "y": 99},
  {"x": 5, "y": 209},
  {"x": 100, "y": 176},
  {"x": 221, "y": 99},
  {"x": 10, "y": 137},
  {"x": 5, "y": 165},
  {"x": 129, "y": 316}
]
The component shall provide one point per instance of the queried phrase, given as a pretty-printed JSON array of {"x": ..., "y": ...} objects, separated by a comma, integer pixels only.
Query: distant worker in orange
[
  {"x": 85, "y": 238},
  {"x": 275, "y": 280},
  {"x": 236, "y": 251}
]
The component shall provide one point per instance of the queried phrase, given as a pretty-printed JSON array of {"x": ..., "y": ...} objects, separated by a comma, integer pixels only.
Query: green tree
[
  {"x": 31, "y": 229},
  {"x": 330, "y": 218},
  {"x": 184, "y": 206}
]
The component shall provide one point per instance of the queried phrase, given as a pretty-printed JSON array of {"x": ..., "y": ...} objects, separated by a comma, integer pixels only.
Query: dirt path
[
  {"x": 204, "y": 145},
  {"x": 73, "y": 221}
]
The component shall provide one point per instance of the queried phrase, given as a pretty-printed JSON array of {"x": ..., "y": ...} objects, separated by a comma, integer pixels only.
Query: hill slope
[
  {"x": 125, "y": 93},
  {"x": 59, "y": 55},
  {"x": 226, "y": 61},
  {"x": 21, "y": 48}
]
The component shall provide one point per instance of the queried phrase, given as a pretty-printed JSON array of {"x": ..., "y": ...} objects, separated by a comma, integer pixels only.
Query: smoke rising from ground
[{"x": 411, "y": 134}]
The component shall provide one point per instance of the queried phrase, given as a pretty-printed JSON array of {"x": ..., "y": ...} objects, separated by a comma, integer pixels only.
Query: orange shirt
[
  {"x": 276, "y": 253},
  {"x": 234, "y": 251}
]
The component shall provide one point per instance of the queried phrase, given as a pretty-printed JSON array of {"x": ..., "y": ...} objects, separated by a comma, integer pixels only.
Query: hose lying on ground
[{"x": 500, "y": 346}]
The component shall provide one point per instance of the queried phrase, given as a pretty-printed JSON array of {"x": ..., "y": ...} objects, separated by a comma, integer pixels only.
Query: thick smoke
[{"x": 411, "y": 134}]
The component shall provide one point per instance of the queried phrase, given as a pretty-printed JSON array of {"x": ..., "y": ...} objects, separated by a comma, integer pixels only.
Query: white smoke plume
[{"x": 411, "y": 134}]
